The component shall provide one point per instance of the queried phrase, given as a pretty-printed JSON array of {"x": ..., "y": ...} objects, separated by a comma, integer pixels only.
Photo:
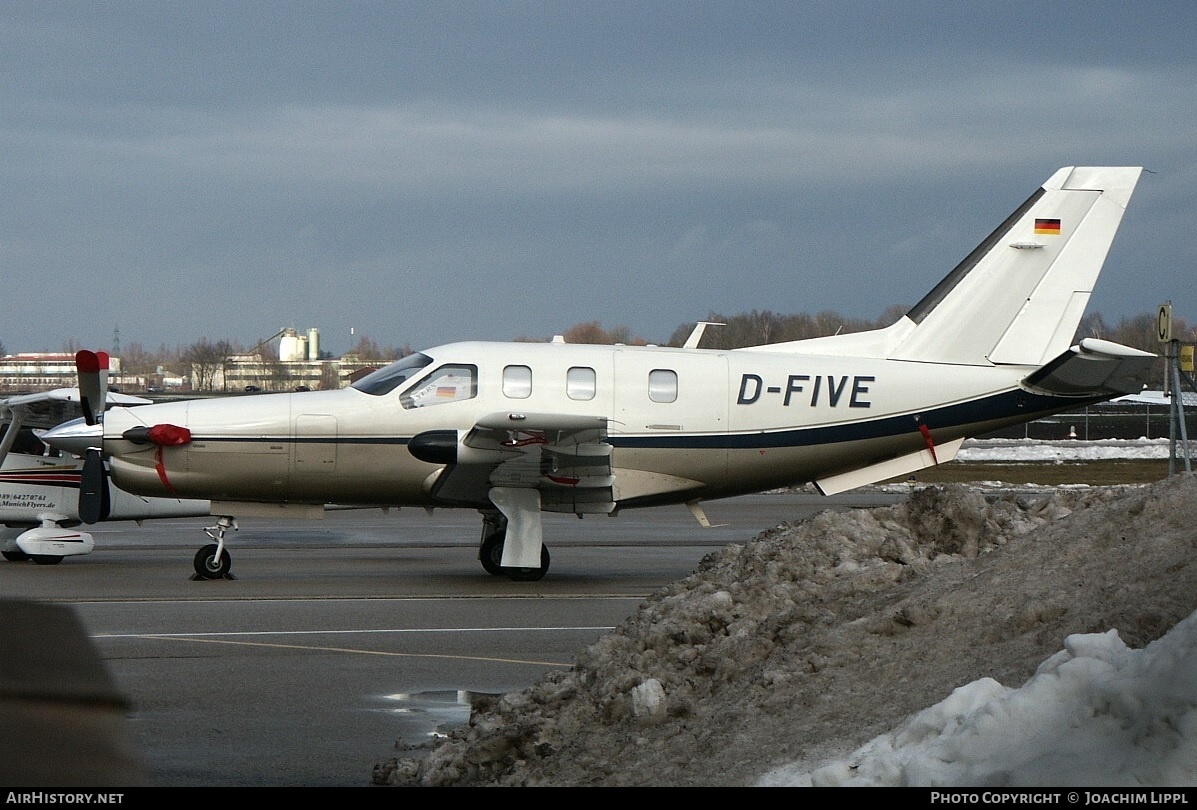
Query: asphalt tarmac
[{"x": 337, "y": 643}]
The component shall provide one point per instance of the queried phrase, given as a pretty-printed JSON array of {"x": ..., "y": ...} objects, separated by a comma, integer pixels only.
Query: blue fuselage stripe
[{"x": 1012, "y": 405}]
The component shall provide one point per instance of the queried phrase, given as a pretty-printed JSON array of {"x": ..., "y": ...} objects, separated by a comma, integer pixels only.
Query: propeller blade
[
  {"x": 93, "y": 384},
  {"x": 94, "y": 502}
]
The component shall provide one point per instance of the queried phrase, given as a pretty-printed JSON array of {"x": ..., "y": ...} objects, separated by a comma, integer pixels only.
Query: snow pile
[
  {"x": 1096, "y": 714},
  {"x": 1068, "y": 450},
  {"x": 784, "y": 655}
]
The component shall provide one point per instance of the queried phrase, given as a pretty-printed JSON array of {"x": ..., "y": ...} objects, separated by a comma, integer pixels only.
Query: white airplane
[
  {"x": 1160, "y": 398},
  {"x": 39, "y": 493},
  {"x": 516, "y": 429}
]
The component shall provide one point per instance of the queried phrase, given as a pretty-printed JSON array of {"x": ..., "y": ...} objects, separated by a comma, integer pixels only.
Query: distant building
[
  {"x": 294, "y": 348},
  {"x": 42, "y": 371},
  {"x": 297, "y": 367}
]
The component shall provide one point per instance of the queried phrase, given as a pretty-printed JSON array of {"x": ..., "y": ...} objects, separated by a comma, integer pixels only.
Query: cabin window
[
  {"x": 517, "y": 382},
  {"x": 580, "y": 383},
  {"x": 446, "y": 384},
  {"x": 662, "y": 385},
  {"x": 387, "y": 379}
]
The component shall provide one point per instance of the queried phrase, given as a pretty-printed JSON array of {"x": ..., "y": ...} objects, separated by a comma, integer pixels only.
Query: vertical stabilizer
[{"x": 1019, "y": 296}]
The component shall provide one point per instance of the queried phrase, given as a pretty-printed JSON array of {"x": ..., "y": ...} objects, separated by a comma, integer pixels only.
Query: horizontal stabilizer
[{"x": 1094, "y": 368}]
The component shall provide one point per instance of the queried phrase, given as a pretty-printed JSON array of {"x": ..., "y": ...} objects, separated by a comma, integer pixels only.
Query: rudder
[{"x": 1019, "y": 296}]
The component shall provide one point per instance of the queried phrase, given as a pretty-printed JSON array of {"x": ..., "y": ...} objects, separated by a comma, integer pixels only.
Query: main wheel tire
[
  {"x": 15, "y": 556},
  {"x": 530, "y": 574},
  {"x": 46, "y": 559},
  {"x": 209, "y": 566},
  {"x": 491, "y": 553}
]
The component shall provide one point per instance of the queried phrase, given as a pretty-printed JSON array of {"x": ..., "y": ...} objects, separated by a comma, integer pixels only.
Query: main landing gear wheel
[
  {"x": 15, "y": 556},
  {"x": 210, "y": 566},
  {"x": 530, "y": 574},
  {"x": 46, "y": 559},
  {"x": 491, "y": 554}
]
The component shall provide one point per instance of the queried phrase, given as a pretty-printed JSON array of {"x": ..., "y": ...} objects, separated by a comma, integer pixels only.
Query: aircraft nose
[{"x": 73, "y": 437}]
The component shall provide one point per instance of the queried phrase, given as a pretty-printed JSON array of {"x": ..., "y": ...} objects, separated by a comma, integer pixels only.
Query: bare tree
[
  {"x": 328, "y": 377},
  {"x": 1092, "y": 325},
  {"x": 593, "y": 333},
  {"x": 367, "y": 351},
  {"x": 136, "y": 360},
  {"x": 208, "y": 360}
]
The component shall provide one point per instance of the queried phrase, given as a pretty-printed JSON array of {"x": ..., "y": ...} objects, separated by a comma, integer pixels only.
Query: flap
[
  {"x": 890, "y": 468},
  {"x": 567, "y": 458}
]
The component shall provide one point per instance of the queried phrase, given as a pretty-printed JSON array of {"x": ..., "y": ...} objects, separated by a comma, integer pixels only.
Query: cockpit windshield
[{"x": 387, "y": 379}]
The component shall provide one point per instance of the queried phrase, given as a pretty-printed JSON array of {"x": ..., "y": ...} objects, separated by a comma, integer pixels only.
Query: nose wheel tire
[
  {"x": 210, "y": 566},
  {"x": 491, "y": 554},
  {"x": 46, "y": 559}
]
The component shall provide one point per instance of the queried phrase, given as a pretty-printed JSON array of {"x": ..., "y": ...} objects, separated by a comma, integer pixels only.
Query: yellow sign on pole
[{"x": 1186, "y": 358}]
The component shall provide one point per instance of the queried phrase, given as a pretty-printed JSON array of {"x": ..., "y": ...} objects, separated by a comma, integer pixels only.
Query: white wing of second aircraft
[{"x": 69, "y": 395}]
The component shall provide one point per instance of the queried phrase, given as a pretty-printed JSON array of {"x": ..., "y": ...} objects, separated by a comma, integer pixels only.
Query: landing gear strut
[
  {"x": 213, "y": 561},
  {"x": 490, "y": 553}
]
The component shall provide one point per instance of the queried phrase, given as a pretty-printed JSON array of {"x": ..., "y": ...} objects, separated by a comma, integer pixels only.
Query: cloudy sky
[{"x": 423, "y": 172}]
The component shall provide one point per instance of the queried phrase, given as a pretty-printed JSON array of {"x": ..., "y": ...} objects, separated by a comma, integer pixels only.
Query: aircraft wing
[
  {"x": 1161, "y": 398},
  {"x": 1096, "y": 368},
  {"x": 566, "y": 458},
  {"x": 17, "y": 410},
  {"x": 70, "y": 395}
]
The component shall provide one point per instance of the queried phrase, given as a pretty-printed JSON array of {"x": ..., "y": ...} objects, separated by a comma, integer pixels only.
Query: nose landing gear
[{"x": 213, "y": 561}]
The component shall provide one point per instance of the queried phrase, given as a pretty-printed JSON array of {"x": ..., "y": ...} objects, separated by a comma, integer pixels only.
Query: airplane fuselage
[
  {"x": 34, "y": 486},
  {"x": 517, "y": 429},
  {"x": 683, "y": 424}
]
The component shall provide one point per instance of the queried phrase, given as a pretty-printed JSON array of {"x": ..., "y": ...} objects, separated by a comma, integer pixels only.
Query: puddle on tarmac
[{"x": 438, "y": 711}]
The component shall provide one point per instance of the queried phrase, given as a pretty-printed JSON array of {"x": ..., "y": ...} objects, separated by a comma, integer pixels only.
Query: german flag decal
[{"x": 1051, "y": 227}]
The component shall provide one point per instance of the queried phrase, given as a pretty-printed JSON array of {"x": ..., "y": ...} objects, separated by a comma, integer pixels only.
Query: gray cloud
[{"x": 429, "y": 172}]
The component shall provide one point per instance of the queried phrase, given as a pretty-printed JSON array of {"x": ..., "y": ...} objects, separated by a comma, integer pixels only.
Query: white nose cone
[{"x": 74, "y": 437}]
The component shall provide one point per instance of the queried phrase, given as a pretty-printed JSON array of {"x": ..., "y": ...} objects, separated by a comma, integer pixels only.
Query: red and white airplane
[
  {"x": 40, "y": 492},
  {"x": 515, "y": 429}
]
